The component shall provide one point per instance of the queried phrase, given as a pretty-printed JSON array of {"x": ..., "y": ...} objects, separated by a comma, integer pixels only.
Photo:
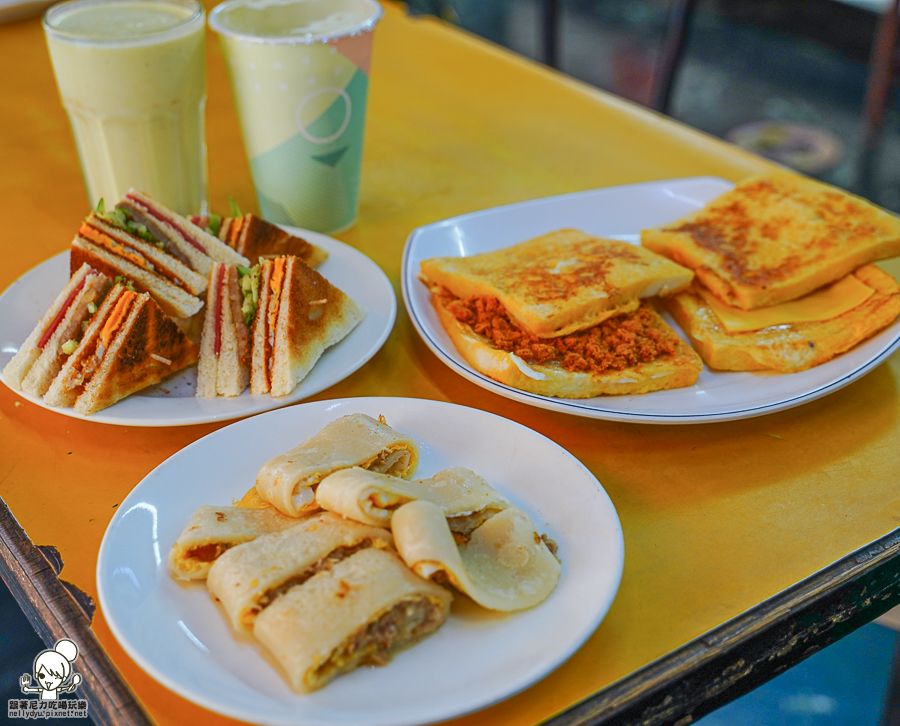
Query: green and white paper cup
[{"x": 300, "y": 75}]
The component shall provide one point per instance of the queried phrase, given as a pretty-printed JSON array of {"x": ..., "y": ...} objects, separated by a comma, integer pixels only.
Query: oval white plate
[
  {"x": 172, "y": 402},
  {"x": 176, "y": 633},
  {"x": 621, "y": 213}
]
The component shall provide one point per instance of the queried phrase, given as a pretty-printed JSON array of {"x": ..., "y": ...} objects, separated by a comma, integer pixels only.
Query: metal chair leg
[
  {"x": 890, "y": 715},
  {"x": 882, "y": 69},
  {"x": 551, "y": 33},
  {"x": 670, "y": 57}
]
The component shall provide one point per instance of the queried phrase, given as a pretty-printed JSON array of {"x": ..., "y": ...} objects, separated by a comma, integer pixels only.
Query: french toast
[
  {"x": 561, "y": 282},
  {"x": 786, "y": 348},
  {"x": 655, "y": 359},
  {"x": 775, "y": 238}
]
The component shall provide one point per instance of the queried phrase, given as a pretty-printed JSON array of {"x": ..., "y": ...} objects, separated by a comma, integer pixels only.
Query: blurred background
[{"x": 785, "y": 78}]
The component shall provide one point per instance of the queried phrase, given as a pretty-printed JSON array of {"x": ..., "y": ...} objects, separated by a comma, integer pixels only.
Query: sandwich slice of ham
[
  {"x": 40, "y": 358},
  {"x": 224, "y": 366},
  {"x": 197, "y": 248},
  {"x": 268, "y": 325},
  {"x": 300, "y": 314},
  {"x": 129, "y": 345}
]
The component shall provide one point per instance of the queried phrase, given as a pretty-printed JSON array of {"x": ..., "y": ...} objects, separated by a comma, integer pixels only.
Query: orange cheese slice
[
  {"x": 275, "y": 287},
  {"x": 234, "y": 231},
  {"x": 823, "y": 304},
  {"x": 116, "y": 248},
  {"x": 119, "y": 311}
]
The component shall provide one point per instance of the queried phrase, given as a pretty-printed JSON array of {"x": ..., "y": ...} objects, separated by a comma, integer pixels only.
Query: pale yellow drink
[
  {"x": 132, "y": 77},
  {"x": 300, "y": 75}
]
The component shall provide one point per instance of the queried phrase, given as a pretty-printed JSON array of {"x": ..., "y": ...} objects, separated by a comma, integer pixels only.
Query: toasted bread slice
[
  {"x": 254, "y": 238},
  {"x": 300, "y": 315},
  {"x": 224, "y": 365},
  {"x": 129, "y": 345},
  {"x": 677, "y": 369},
  {"x": 145, "y": 255},
  {"x": 562, "y": 282},
  {"x": 199, "y": 248},
  {"x": 39, "y": 359},
  {"x": 786, "y": 348},
  {"x": 776, "y": 237},
  {"x": 176, "y": 301}
]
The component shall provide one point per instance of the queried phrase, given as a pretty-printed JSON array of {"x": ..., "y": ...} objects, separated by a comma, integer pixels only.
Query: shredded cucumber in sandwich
[
  {"x": 214, "y": 225},
  {"x": 121, "y": 219},
  {"x": 124, "y": 282},
  {"x": 249, "y": 277}
]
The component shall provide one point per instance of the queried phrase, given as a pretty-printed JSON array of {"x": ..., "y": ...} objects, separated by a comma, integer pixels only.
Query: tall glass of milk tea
[
  {"x": 132, "y": 78},
  {"x": 299, "y": 71}
]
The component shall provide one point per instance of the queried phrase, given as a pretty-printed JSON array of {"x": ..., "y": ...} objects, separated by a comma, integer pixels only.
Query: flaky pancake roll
[
  {"x": 362, "y": 611},
  {"x": 212, "y": 530},
  {"x": 249, "y": 578},
  {"x": 504, "y": 565},
  {"x": 465, "y": 498},
  {"x": 288, "y": 481}
]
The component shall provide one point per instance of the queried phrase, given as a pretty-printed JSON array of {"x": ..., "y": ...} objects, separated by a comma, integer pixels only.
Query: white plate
[
  {"x": 172, "y": 402},
  {"x": 477, "y": 658},
  {"x": 621, "y": 213}
]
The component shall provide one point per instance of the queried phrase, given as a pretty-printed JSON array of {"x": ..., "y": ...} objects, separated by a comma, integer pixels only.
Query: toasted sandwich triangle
[
  {"x": 147, "y": 347},
  {"x": 261, "y": 238},
  {"x": 313, "y": 315}
]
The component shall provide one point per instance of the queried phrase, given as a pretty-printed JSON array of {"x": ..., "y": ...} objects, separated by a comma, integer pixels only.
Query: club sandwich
[
  {"x": 197, "y": 248},
  {"x": 224, "y": 366},
  {"x": 254, "y": 237},
  {"x": 266, "y": 326},
  {"x": 117, "y": 252},
  {"x": 129, "y": 345},
  {"x": 300, "y": 314},
  {"x": 42, "y": 355}
]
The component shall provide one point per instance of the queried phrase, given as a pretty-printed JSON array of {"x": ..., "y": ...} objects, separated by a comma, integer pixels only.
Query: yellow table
[{"x": 716, "y": 517}]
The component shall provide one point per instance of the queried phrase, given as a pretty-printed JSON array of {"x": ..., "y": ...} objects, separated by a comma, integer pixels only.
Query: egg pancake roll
[
  {"x": 504, "y": 565},
  {"x": 212, "y": 530},
  {"x": 288, "y": 481},
  {"x": 362, "y": 611},
  {"x": 249, "y": 578},
  {"x": 465, "y": 498}
]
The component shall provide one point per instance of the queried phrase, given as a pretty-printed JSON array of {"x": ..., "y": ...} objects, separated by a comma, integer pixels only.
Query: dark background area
[{"x": 790, "y": 61}]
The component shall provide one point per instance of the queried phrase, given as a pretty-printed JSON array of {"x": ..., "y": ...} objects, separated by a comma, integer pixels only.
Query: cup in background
[
  {"x": 132, "y": 78},
  {"x": 300, "y": 74}
]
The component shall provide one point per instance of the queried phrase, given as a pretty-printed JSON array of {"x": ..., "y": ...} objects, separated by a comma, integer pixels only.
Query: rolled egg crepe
[
  {"x": 362, "y": 611},
  {"x": 213, "y": 530},
  {"x": 288, "y": 481},
  {"x": 465, "y": 498},
  {"x": 504, "y": 565},
  {"x": 249, "y": 578}
]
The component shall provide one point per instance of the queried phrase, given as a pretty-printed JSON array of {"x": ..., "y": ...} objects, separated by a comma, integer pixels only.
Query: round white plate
[
  {"x": 621, "y": 213},
  {"x": 172, "y": 402},
  {"x": 180, "y": 637}
]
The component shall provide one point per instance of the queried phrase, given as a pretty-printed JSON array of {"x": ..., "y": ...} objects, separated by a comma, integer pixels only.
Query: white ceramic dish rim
[
  {"x": 367, "y": 281},
  {"x": 882, "y": 345},
  {"x": 586, "y": 557}
]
